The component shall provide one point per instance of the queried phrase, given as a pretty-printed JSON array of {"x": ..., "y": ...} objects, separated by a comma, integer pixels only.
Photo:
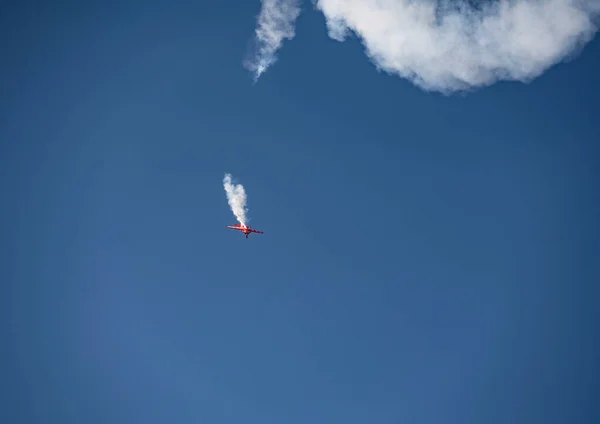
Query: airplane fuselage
[{"x": 244, "y": 229}]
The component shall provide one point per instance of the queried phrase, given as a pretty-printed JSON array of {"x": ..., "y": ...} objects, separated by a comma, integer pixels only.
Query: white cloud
[{"x": 447, "y": 47}]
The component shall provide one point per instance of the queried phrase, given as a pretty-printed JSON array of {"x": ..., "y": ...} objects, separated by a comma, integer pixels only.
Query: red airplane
[{"x": 244, "y": 229}]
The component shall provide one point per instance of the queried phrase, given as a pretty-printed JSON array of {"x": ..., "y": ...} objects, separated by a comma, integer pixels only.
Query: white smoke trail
[
  {"x": 236, "y": 197},
  {"x": 451, "y": 45},
  {"x": 275, "y": 22},
  {"x": 444, "y": 47}
]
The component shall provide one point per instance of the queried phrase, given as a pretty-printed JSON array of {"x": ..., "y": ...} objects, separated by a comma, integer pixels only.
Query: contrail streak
[
  {"x": 275, "y": 23},
  {"x": 236, "y": 197}
]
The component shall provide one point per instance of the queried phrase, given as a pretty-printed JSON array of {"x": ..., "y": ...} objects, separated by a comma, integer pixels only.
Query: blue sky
[{"x": 427, "y": 257}]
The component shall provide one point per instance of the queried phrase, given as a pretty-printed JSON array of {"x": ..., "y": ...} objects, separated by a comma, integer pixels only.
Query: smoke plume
[
  {"x": 275, "y": 23},
  {"x": 236, "y": 197},
  {"x": 452, "y": 45}
]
